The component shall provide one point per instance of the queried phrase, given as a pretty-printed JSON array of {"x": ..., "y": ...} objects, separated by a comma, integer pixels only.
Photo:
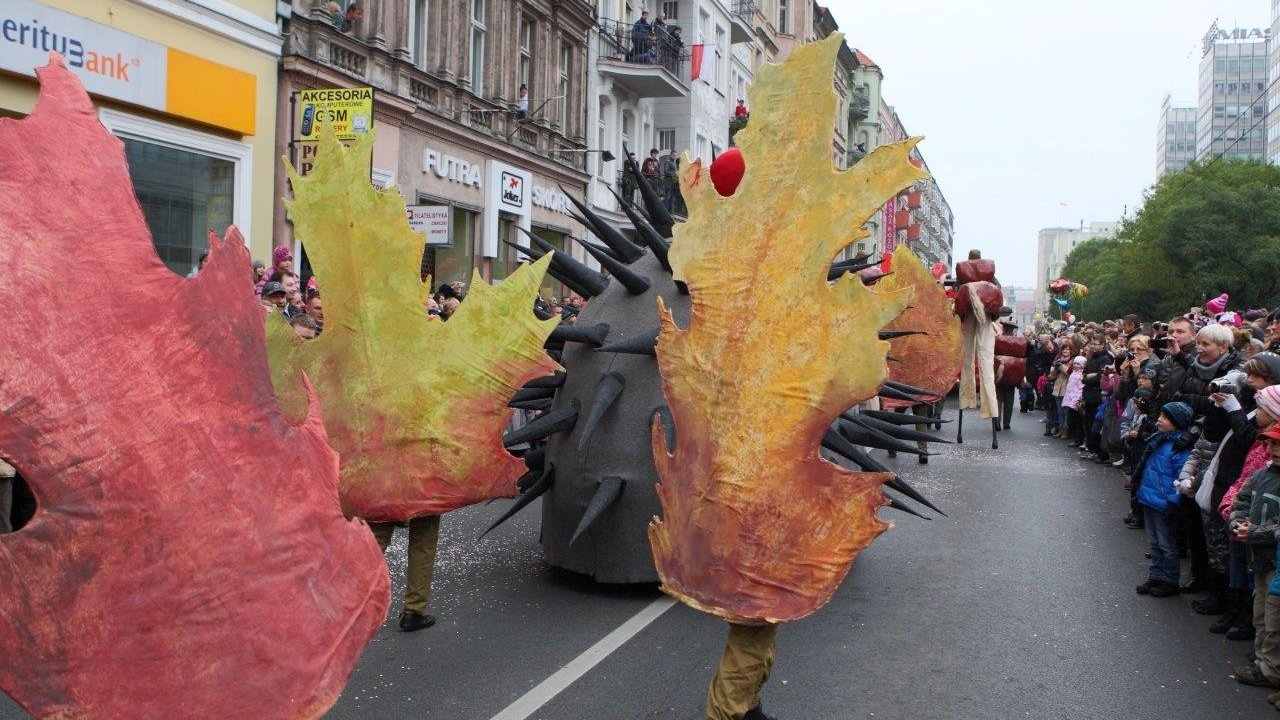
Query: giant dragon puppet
[
  {"x": 765, "y": 495},
  {"x": 188, "y": 557}
]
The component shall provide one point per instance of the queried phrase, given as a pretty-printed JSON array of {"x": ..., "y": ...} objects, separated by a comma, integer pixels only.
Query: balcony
[
  {"x": 650, "y": 67},
  {"x": 742, "y": 21},
  {"x": 853, "y": 156},
  {"x": 859, "y": 105}
]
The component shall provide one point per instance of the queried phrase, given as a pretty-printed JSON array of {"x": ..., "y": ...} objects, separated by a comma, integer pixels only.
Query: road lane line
[{"x": 581, "y": 665}]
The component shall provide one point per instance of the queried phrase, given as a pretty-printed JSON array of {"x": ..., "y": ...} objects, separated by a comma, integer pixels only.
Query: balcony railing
[
  {"x": 744, "y": 12},
  {"x": 316, "y": 40},
  {"x": 650, "y": 64},
  {"x": 859, "y": 105}
]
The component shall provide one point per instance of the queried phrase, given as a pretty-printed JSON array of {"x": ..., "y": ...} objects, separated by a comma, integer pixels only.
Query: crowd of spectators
[{"x": 1186, "y": 411}]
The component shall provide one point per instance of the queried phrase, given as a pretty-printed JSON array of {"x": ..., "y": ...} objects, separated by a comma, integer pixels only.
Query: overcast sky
[{"x": 1026, "y": 104}]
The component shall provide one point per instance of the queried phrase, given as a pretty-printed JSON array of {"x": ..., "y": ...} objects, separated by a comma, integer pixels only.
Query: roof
[{"x": 863, "y": 59}]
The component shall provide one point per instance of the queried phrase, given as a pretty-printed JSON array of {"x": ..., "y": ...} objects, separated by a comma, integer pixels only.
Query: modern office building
[
  {"x": 1273, "y": 99},
  {"x": 1175, "y": 138},
  {"x": 1053, "y": 245},
  {"x": 1233, "y": 85}
]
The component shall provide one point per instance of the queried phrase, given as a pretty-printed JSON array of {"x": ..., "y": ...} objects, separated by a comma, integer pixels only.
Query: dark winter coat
[
  {"x": 1259, "y": 502},
  {"x": 1232, "y": 454},
  {"x": 1195, "y": 392},
  {"x": 1093, "y": 375}
]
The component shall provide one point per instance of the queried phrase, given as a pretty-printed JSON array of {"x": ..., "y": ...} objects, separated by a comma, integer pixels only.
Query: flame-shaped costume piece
[
  {"x": 188, "y": 556},
  {"x": 929, "y": 361},
  {"x": 756, "y": 526},
  {"x": 416, "y": 406}
]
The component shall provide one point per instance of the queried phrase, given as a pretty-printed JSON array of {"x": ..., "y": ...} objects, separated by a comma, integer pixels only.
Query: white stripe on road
[{"x": 579, "y": 666}]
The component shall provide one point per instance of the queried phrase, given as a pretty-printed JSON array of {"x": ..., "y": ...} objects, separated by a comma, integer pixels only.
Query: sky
[{"x": 1027, "y": 104}]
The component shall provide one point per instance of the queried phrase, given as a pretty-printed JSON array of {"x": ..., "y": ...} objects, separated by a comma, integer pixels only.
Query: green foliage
[
  {"x": 735, "y": 124},
  {"x": 1207, "y": 230}
]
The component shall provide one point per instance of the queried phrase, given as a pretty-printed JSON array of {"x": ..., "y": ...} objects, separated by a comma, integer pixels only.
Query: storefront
[{"x": 197, "y": 128}]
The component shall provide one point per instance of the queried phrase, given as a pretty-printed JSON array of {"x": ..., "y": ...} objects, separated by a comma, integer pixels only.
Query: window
[
  {"x": 602, "y": 138},
  {"x": 477, "y": 47},
  {"x": 784, "y": 16},
  {"x": 671, "y": 10},
  {"x": 566, "y": 72},
  {"x": 186, "y": 182},
  {"x": 418, "y": 13},
  {"x": 720, "y": 65},
  {"x": 666, "y": 139},
  {"x": 524, "y": 73}
]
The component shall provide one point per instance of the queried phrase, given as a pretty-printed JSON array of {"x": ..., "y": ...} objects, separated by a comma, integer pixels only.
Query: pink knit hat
[
  {"x": 282, "y": 253},
  {"x": 1229, "y": 317},
  {"x": 1217, "y": 304},
  {"x": 1268, "y": 398}
]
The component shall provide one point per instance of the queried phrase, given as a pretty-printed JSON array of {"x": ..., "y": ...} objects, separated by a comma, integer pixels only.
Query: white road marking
[{"x": 581, "y": 665}]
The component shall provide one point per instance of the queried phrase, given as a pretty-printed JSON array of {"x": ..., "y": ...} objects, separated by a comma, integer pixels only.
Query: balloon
[
  {"x": 939, "y": 270},
  {"x": 727, "y": 170},
  {"x": 1064, "y": 304}
]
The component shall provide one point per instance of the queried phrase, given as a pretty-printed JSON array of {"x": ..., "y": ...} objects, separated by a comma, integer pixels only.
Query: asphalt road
[{"x": 1020, "y": 604}]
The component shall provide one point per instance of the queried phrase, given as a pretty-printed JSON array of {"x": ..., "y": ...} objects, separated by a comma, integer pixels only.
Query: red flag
[{"x": 695, "y": 69}]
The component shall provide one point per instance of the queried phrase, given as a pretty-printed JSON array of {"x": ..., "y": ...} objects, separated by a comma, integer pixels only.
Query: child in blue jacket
[{"x": 1166, "y": 451}]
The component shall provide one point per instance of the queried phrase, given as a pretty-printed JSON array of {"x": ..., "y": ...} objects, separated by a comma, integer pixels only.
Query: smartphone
[{"x": 308, "y": 119}]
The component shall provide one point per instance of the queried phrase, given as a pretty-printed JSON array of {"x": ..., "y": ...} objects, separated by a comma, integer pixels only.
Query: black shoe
[
  {"x": 1048, "y": 432},
  {"x": 411, "y": 621},
  {"x": 1212, "y": 605},
  {"x": 1006, "y": 427},
  {"x": 756, "y": 713},
  {"x": 1242, "y": 630},
  {"x": 924, "y": 459},
  {"x": 1075, "y": 444},
  {"x": 1163, "y": 590},
  {"x": 1103, "y": 460},
  {"x": 1223, "y": 624},
  {"x": 1145, "y": 588}
]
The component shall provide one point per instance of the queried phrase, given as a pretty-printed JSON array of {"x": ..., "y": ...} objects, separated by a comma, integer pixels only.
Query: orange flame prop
[{"x": 756, "y": 526}]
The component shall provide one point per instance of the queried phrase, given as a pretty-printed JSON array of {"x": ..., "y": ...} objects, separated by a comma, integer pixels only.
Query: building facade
[
  {"x": 1053, "y": 245},
  {"x": 1273, "y": 93},
  {"x": 1175, "y": 138},
  {"x": 1232, "y": 103},
  {"x": 190, "y": 92},
  {"x": 453, "y": 133}
]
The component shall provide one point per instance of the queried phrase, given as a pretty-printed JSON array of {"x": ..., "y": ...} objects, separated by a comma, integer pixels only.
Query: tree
[{"x": 1212, "y": 228}]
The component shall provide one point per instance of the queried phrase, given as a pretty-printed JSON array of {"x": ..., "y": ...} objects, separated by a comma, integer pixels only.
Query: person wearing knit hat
[
  {"x": 1218, "y": 304},
  {"x": 1230, "y": 317},
  {"x": 283, "y": 258},
  {"x": 1166, "y": 452}
]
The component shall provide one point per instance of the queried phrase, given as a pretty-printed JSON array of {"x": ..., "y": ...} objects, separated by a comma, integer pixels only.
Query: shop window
[
  {"x": 454, "y": 261},
  {"x": 186, "y": 183}
]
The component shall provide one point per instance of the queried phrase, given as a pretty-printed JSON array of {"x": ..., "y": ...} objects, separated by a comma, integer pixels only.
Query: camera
[{"x": 1224, "y": 385}]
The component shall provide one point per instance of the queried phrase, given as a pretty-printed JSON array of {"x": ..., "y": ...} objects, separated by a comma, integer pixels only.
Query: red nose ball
[{"x": 726, "y": 171}]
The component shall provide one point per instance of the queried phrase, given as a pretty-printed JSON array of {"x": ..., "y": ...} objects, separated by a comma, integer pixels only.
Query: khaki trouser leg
[
  {"x": 744, "y": 668},
  {"x": 1261, "y": 581},
  {"x": 424, "y": 532}
]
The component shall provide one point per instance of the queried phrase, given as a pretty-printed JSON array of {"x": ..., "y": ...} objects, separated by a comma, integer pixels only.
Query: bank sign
[{"x": 125, "y": 67}]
